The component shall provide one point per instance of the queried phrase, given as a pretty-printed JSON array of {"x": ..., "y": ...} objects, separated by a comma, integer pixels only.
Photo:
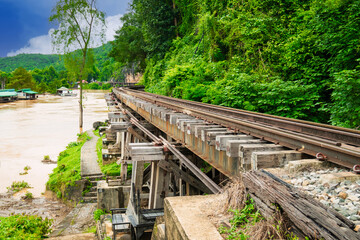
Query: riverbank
[{"x": 32, "y": 129}]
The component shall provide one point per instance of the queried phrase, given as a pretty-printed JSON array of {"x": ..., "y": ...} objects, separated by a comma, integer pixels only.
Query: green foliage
[
  {"x": 98, "y": 213},
  {"x": 68, "y": 167},
  {"x": 24, "y": 227},
  {"x": 112, "y": 169},
  {"x": 21, "y": 79},
  {"x": 345, "y": 111},
  {"x": 91, "y": 230},
  {"x": 16, "y": 186},
  {"x": 28, "y": 196},
  {"x": 241, "y": 219},
  {"x": 27, "y": 168},
  {"x": 288, "y": 58},
  {"x": 46, "y": 157},
  {"x": 31, "y": 62}
]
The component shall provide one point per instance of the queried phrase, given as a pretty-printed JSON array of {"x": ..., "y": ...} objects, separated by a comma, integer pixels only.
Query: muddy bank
[{"x": 40, "y": 206}]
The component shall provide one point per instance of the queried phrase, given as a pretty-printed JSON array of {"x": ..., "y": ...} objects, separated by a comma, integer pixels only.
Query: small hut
[
  {"x": 26, "y": 94},
  {"x": 8, "y": 95},
  {"x": 63, "y": 91}
]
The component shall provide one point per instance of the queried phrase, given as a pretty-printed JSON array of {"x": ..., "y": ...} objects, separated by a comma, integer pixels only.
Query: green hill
[{"x": 41, "y": 61}]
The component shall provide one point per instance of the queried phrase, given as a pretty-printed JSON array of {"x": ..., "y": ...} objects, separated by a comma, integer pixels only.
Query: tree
[
  {"x": 3, "y": 79},
  {"x": 77, "y": 20},
  {"x": 128, "y": 46},
  {"x": 21, "y": 79}
]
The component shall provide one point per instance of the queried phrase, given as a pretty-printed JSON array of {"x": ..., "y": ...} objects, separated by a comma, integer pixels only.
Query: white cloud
[
  {"x": 42, "y": 44},
  {"x": 113, "y": 23}
]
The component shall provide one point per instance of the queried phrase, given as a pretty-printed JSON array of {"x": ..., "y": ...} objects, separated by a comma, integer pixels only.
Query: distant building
[
  {"x": 26, "y": 94},
  {"x": 63, "y": 91},
  {"x": 8, "y": 95}
]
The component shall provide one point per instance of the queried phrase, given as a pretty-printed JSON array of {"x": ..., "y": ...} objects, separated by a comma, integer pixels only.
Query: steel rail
[
  {"x": 337, "y": 134},
  {"x": 294, "y": 140}
]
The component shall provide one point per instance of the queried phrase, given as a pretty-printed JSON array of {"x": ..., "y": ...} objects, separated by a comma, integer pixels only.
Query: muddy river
[{"x": 29, "y": 130}]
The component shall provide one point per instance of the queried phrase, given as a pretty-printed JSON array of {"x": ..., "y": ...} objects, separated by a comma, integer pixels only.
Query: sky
[{"x": 25, "y": 27}]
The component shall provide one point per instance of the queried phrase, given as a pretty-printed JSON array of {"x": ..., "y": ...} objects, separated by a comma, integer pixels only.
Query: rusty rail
[{"x": 310, "y": 138}]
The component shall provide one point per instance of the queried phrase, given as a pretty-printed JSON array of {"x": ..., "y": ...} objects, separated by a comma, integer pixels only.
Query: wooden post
[
  {"x": 152, "y": 184},
  {"x": 161, "y": 187}
]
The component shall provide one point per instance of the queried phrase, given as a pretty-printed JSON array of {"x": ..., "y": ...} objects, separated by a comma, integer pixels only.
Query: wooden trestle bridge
[{"x": 178, "y": 147}]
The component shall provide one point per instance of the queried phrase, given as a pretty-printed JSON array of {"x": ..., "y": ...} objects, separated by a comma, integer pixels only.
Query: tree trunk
[
  {"x": 81, "y": 117},
  {"x": 81, "y": 120}
]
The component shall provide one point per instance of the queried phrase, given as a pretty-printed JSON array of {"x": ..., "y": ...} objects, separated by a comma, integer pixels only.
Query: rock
[
  {"x": 324, "y": 202},
  {"x": 327, "y": 185},
  {"x": 306, "y": 182},
  {"x": 357, "y": 228},
  {"x": 343, "y": 195},
  {"x": 353, "y": 198}
]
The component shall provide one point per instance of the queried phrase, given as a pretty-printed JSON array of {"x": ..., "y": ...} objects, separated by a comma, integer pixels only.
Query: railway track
[{"x": 335, "y": 144}]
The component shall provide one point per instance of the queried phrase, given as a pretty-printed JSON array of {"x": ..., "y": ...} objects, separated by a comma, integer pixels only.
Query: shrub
[
  {"x": 24, "y": 227},
  {"x": 98, "y": 213},
  {"x": 345, "y": 111},
  {"x": 28, "y": 196},
  {"x": 16, "y": 186}
]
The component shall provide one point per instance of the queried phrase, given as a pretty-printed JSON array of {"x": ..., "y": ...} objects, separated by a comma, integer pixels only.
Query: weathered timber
[
  {"x": 246, "y": 150},
  {"x": 172, "y": 167},
  {"x": 220, "y": 140},
  {"x": 232, "y": 146},
  {"x": 309, "y": 217},
  {"x": 271, "y": 159}
]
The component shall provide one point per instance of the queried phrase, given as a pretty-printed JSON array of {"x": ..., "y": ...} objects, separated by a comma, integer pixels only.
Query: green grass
[
  {"x": 24, "y": 227},
  {"x": 17, "y": 186},
  {"x": 112, "y": 169},
  {"x": 91, "y": 230},
  {"x": 68, "y": 166},
  {"x": 98, "y": 213}
]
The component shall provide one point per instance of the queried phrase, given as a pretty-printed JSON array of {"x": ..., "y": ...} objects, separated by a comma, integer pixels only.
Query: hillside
[
  {"x": 41, "y": 61},
  {"x": 291, "y": 58}
]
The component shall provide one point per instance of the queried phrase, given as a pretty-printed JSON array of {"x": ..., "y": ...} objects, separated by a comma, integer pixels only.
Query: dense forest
[
  {"x": 291, "y": 58},
  {"x": 47, "y": 73}
]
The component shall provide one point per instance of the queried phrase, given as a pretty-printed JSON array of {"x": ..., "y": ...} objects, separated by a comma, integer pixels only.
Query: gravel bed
[{"x": 344, "y": 197}]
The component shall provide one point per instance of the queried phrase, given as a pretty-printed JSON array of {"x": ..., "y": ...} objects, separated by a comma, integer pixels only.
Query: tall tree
[
  {"x": 77, "y": 20},
  {"x": 3, "y": 79},
  {"x": 21, "y": 79}
]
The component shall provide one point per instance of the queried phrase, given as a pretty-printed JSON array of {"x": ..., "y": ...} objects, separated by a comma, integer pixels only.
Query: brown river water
[{"x": 29, "y": 130}]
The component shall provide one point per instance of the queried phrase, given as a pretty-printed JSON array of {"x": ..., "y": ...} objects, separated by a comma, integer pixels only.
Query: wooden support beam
[
  {"x": 137, "y": 135},
  {"x": 271, "y": 159},
  {"x": 161, "y": 187},
  {"x": 152, "y": 185},
  {"x": 221, "y": 140},
  {"x": 175, "y": 169},
  {"x": 246, "y": 150},
  {"x": 310, "y": 218}
]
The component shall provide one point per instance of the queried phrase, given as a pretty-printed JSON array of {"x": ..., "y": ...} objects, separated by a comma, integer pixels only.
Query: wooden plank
[
  {"x": 147, "y": 158},
  {"x": 211, "y": 136},
  {"x": 220, "y": 141},
  {"x": 146, "y": 150},
  {"x": 245, "y": 151},
  {"x": 232, "y": 146},
  {"x": 272, "y": 159},
  {"x": 198, "y": 128},
  {"x": 206, "y": 130},
  {"x": 309, "y": 217}
]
